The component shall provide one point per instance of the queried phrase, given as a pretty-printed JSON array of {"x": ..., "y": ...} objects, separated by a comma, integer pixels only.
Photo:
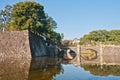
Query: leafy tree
[
  {"x": 31, "y": 15},
  {"x": 5, "y": 17},
  {"x": 66, "y": 43},
  {"x": 106, "y": 37},
  {"x": 56, "y": 37},
  {"x": 50, "y": 25},
  {"x": 28, "y": 15}
]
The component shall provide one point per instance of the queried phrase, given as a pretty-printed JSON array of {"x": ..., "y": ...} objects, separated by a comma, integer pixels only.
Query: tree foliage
[
  {"x": 66, "y": 43},
  {"x": 30, "y": 15},
  {"x": 104, "y": 36}
]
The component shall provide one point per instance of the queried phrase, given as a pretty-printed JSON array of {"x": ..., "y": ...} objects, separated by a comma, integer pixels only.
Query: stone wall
[
  {"x": 106, "y": 54},
  {"x": 24, "y": 44},
  {"x": 14, "y": 44},
  {"x": 37, "y": 45},
  {"x": 15, "y": 55},
  {"x": 52, "y": 51},
  {"x": 39, "y": 48},
  {"x": 111, "y": 55}
]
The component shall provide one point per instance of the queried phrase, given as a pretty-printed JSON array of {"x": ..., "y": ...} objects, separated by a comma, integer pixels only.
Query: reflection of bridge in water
[{"x": 106, "y": 55}]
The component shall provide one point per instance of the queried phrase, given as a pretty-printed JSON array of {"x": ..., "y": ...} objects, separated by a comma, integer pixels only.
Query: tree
[
  {"x": 31, "y": 15},
  {"x": 67, "y": 43},
  {"x": 106, "y": 37},
  {"x": 5, "y": 17},
  {"x": 28, "y": 15},
  {"x": 50, "y": 25},
  {"x": 56, "y": 37}
]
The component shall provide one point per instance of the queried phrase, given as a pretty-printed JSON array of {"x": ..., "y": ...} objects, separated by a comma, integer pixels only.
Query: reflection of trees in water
[
  {"x": 104, "y": 71},
  {"x": 44, "y": 68}
]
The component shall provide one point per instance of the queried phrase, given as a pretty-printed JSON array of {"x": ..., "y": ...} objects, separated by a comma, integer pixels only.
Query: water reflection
[
  {"x": 40, "y": 68},
  {"x": 14, "y": 69},
  {"x": 72, "y": 72},
  {"x": 45, "y": 68},
  {"x": 104, "y": 70}
]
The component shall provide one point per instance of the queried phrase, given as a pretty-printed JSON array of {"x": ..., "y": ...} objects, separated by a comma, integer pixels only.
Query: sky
[{"x": 75, "y": 18}]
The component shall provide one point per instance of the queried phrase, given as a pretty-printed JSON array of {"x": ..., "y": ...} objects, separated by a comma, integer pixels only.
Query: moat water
[{"x": 44, "y": 68}]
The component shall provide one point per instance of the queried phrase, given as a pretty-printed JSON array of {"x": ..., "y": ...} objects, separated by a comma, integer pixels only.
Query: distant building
[{"x": 76, "y": 41}]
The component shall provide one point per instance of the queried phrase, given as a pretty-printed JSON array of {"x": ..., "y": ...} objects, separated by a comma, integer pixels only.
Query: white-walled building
[{"x": 76, "y": 41}]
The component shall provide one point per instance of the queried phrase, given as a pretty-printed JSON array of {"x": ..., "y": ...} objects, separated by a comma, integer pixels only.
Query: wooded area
[{"x": 101, "y": 36}]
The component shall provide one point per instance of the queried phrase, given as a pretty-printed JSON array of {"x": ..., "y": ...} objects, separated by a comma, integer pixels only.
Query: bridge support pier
[
  {"x": 101, "y": 55},
  {"x": 78, "y": 54}
]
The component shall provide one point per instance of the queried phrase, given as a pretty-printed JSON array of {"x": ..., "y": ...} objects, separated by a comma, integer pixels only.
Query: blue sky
[{"x": 78, "y": 17}]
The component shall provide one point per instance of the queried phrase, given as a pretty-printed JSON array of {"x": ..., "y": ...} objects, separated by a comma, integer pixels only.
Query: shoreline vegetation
[
  {"x": 96, "y": 38},
  {"x": 103, "y": 37}
]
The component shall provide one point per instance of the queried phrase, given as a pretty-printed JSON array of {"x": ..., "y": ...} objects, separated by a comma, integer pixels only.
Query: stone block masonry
[
  {"x": 37, "y": 45},
  {"x": 15, "y": 55},
  {"x": 106, "y": 54},
  {"x": 24, "y": 44},
  {"x": 14, "y": 45}
]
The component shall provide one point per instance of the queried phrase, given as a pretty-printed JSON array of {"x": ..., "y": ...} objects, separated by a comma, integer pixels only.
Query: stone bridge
[{"x": 106, "y": 55}]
